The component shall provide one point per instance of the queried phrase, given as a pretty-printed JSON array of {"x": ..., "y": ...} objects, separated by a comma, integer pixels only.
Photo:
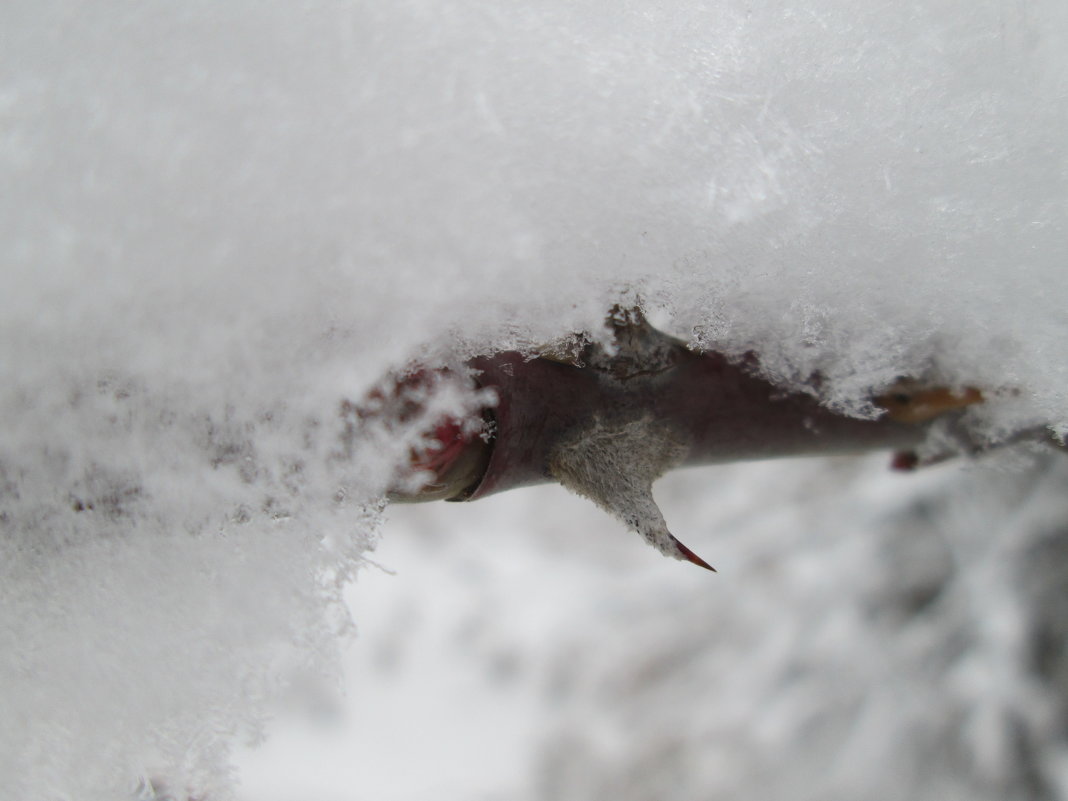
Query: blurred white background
[{"x": 870, "y": 634}]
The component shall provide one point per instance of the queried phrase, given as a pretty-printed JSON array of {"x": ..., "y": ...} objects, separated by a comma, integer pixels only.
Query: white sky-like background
[{"x": 221, "y": 220}]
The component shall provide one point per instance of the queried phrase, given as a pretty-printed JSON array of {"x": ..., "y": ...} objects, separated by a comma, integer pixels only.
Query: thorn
[{"x": 690, "y": 556}]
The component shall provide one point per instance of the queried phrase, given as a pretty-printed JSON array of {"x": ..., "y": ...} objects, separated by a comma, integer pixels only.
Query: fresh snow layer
[{"x": 222, "y": 220}]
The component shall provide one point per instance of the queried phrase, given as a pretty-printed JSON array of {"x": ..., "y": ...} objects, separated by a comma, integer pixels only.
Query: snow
[{"x": 221, "y": 221}]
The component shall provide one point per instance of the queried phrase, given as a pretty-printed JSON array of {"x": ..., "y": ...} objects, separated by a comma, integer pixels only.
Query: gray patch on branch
[{"x": 614, "y": 464}]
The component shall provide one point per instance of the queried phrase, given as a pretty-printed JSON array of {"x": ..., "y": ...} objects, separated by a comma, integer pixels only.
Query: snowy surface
[{"x": 220, "y": 221}]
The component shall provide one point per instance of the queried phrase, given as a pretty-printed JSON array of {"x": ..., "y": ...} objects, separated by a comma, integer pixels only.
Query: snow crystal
[{"x": 223, "y": 221}]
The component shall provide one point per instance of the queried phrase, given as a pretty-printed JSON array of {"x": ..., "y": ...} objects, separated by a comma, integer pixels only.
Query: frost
[
  {"x": 615, "y": 466},
  {"x": 222, "y": 222}
]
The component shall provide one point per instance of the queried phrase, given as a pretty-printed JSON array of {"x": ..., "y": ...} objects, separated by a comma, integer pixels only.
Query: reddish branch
[{"x": 608, "y": 424}]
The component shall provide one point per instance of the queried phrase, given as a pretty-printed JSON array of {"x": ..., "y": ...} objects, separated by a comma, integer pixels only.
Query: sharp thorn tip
[{"x": 690, "y": 556}]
